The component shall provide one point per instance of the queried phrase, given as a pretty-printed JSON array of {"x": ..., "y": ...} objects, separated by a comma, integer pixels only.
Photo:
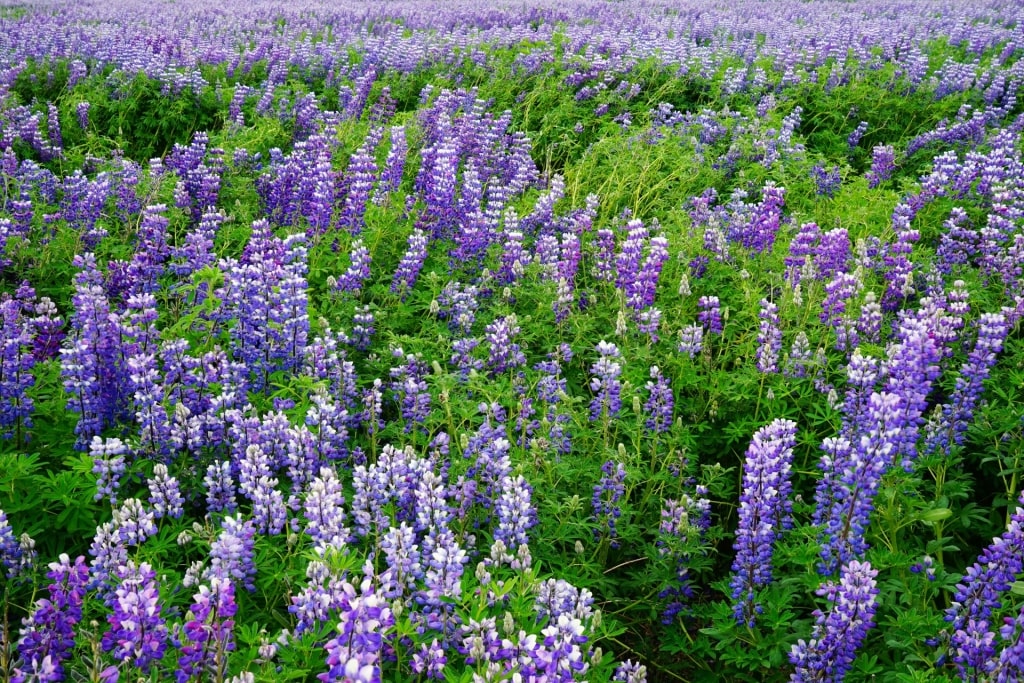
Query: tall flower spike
[
  {"x": 829, "y": 655},
  {"x": 765, "y": 511},
  {"x": 48, "y": 636},
  {"x": 605, "y": 384}
]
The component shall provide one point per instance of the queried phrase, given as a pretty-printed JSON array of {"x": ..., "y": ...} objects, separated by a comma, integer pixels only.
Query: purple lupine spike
[
  {"x": 769, "y": 338},
  {"x": 231, "y": 554},
  {"x": 358, "y": 272},
  {"x": 604, "y": 255},
  {"x": 883, "y": 163},
  {"x": 324, "y": 511},
  {"x": 196, "y": 252},
  {"x": 802, "y": 250},
  {"x": 206, "y": 637},
  {"x": 691, "y": 340},
  {"x": 360, "y": 177},
  {"x": 861, "y": 468},
  {"x": 854, "y": 138},
  {"x": 16, "y": 363},
  {"x": 829, "y": 655},
  {"x": 220, "y": 489},
  {"x": 759, "y": 234},
  {"x": 977, "y": 596},
  {"x": 660, "y": 403},
  {"x": 628, "y": 260},
  {"x": 504, "y": 354},
  {"x": 412, "y": 261},
  {"x": 165, "y": 493},
  {"x": 709, "y": 314},
  {"x": 10, "y": 549},
  {"x": 48, "y": 634},
  {"x": 765, "y": 512},
  {"x": 516, "y": 514},
  {"x": 800, "y": 356},
  {"x": 605, "y": 501},
  {"x": 91, "y": 360},
  {"x": 869, "y": 324},
  {"x": 1009, "y": 665},
  {"x": 838, "y": 292},
  {"x": 826, "y": 180},
  {"x": 364, "y": 625},
  {"x": 409, "y": 387},
  {"x": 951, "y": 428},
  {"x": 402, "y": 553},
  {"x": 605, "y": 383},
  {"x": 394, "y": 166},
  {"x": 630, "y": 672},
  {"x": 47, "y": 328},
  {"x": 138, "y": 634}
]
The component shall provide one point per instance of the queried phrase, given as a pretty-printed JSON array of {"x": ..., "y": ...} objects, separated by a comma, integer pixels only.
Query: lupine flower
[
  {"x": 394, "y": 165},
  {"x": 430, "y": 660},
  {"x": 861, "y": 465},
  {"x": 409, "y": 267},
  {"x": 765, "y": 512},
  {"x": 951, "y": 428},
  {"x": 362, "y": 328},
  {"x": 691, "y": 340},
  {"x": 605, "y": 501},
  {"x": 829, "y": 655},
  {"x": 164, "y": 493},
  {"x": 10, "y": 549},
  {"x": 605, "y": 383},
  {"x": 206, "y": 638},
  {"x": 854, "y": 138},
  {"x": 138, "y": 634},
  {"x": 630, "y": 672},
  {"x": 409, "y": 387},
  {"x": 977, "y": 596},
  {"x": 660, "y": 403},
  {"x": 709, "y": 315},
  {"x": 1009, "y": 667},
  {"x": 231, "y": 554},
  {"x": 134, "y": 522},
  {"x": 109, "y": 466},
  {"x": 503, "y": 354},
  {"x": 220, "y": 489},
  {"x": 769, "y": 338},
  {"x": 16, "y": 363},
  {"x": 883, "y": 163},
  {"x": 827, "y": 181},
  {"x": 48, "y": 636},
  {"x": 365, "y": 620},
  {"x": 358, "y": 272},
  {"x": 516, "y": 514},
  {"x": 324, "y": 511}
]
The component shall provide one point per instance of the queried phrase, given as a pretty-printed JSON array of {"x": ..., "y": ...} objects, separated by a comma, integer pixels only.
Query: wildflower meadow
[{"x": 528, "y": 341}]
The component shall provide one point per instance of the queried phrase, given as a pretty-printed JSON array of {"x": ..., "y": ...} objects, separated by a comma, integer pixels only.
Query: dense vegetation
[{"x": 546, "y": 341}]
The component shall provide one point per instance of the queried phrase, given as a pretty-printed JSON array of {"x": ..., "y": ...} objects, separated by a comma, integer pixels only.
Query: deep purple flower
[
  {"x": 206, "y": 637},
  {"x": 138, "y": 634},
  {"x": 829, "y": 655},
  {"x": 765, "y": 512},
  {"x": 48, "y": 635},
  {"x": 883, "y": 163},
  {"x": 503, "y": 354},
  {"x": 709, "y": 314},
  {"x": 605, "y": 383},
  {"x": 605, "y": 501},
  {"x": 660, "y": 403},
  {"x": 231, "y": 554}
]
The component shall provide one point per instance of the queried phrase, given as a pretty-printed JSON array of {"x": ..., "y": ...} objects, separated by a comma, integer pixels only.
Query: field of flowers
[{"x": 548, "y": 340}]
